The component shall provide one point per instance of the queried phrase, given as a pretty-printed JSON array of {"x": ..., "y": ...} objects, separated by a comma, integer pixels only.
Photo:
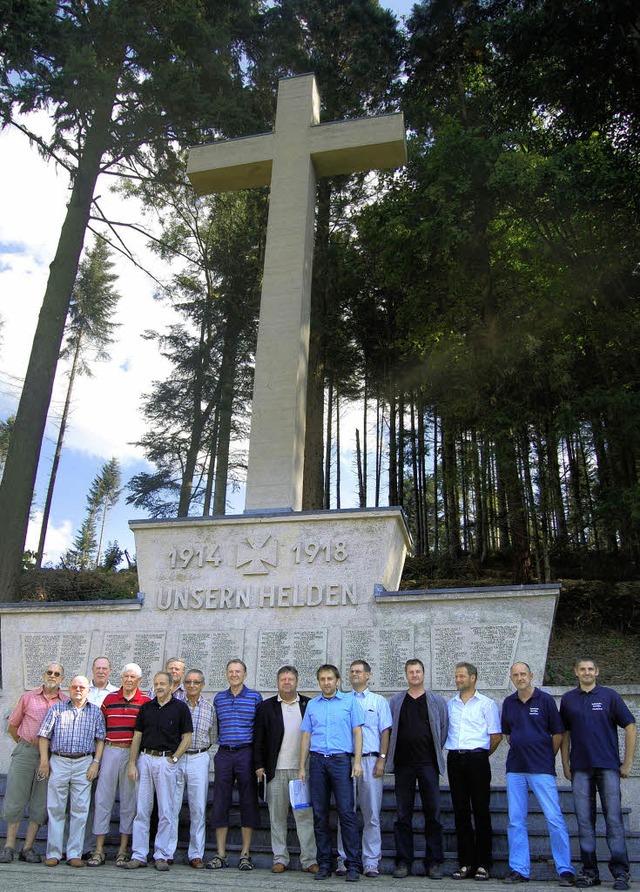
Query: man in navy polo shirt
[
  {"x": 592, "y": 715},
  {"x": 235, "y": 711},
  {"x": 331, "y": 735},
  {"x": 531, "y": 722}
]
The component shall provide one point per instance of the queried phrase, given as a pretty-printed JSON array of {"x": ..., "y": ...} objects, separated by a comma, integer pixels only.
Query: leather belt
[
  {"x": 479, "y": 749},
  {"x": 72, "y": 755},
  {"x": 329, "y": 755},
  {"x": 203, "y": 749},
  {"x": 377, "y": 755},
  {"x": 157, "y": 752},
  {"x": 122, "y": 746},
  {"x": 232, "y": 749}
]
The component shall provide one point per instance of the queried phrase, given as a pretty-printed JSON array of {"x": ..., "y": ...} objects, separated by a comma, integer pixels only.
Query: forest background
[{"x": 475, "y": 315}]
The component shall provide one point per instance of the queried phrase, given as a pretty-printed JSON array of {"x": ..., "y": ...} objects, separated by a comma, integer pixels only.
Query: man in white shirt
[
  {"x": 474, "y": 734},
  {"x": 100, "y": 684},
  {"x": 369, "y": 786}
]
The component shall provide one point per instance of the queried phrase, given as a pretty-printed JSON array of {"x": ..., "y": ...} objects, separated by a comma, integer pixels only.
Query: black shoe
[
  {"x": 401, "y": 872},
  {"x": 323, "y": 874},
  {"x": 30, "y": 856},
  {"x": 515, "y": 877},
  {"x": 621, "y": 882},
  {"x": 435, "y": 872},
  {"x": 586, "y": 880},
  {"x": 6, "y": 855},
  {"x": 353, "y": 876},
  {"x": 567, "y": 878}
]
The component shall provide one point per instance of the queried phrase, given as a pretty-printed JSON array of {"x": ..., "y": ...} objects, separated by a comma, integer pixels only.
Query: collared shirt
[
  {"x": 236, "y": 716},
  {"x": 162, "y": 727},
  {"x": 531, "y": 727},
  {"x": 472, "y": 723},
  {"x": 120, "y": 714},
  {"x": 592, "y": 718},
  {"x": 97, "y": 695},
  {"x": 202, "y": 717},
  {"x": 331, "y": 723},
  {"x": 377, "y": 718},
  {"x": 73, "y": 730},
  {"x": 30, "y": 711},
  {"x": 289, "y": 754}
]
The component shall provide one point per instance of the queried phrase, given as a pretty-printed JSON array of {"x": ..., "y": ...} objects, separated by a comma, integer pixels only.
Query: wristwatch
[
  {"x": 174, "y": 759},
  {"x": 383, "y": 755}
]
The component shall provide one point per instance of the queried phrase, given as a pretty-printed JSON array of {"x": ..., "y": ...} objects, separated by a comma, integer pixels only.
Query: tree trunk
[
  {"x": 56, "y": 457},
  {"x": 18, "y": 480}
]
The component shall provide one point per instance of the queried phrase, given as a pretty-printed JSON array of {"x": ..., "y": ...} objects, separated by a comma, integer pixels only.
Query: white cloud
[{"x": 59, "y": 538}]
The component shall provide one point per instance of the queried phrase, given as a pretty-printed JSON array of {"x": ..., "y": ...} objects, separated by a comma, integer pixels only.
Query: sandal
[
  {"x": 121, "y": 859},
  {"x": 482, "y": 874},
  {"x": 217, "y": 862},
  {"x": 462, "y": 873},
  {"x": 245, "y": 863},
  {"x": 96, "y": 859}
]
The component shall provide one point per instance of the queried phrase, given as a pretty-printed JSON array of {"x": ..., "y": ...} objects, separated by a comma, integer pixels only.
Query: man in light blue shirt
[
  {"x": 474, "y": 734},
  {"x": 331, "y": 735},
  {"x": 369, "y": 786}
]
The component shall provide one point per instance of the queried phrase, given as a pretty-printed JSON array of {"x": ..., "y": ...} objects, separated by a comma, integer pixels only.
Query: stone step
[{"x": 542, "y": 867}]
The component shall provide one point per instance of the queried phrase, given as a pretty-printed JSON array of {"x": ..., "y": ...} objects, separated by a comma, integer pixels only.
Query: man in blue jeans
[
  {"x": 592, "y": 714},
  {"x": 531, "y": 721},
  {"x": 331, "y": 735}
]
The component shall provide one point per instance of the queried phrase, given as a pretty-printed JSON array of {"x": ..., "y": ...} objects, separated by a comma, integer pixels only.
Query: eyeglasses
[
  {"x": 55, "y": 674},
  {"x": 194, "y": 682}
]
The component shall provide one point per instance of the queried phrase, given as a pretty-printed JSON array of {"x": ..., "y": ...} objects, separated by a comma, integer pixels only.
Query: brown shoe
[
  {"x": 161, "y": 864},
  {"x": 312, "y": 868},
  {"x": 197, "y": 863},
  {"x": 51, "y": 862},
  {"x": 76, "y": 862},
  {"x": 278, "y": 867}
]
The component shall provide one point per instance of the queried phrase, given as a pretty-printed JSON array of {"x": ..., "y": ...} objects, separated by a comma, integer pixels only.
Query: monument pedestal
[{"x": 274, "y": 588}]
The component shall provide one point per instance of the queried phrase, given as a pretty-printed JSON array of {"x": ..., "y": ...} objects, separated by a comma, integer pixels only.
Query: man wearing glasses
[
  {"x": 23, "y": 785},
  {"x": 193, "y": 769}
]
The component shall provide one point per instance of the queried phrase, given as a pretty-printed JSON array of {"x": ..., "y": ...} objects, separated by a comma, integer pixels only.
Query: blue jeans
[
  {"x": 543, "y": 786},
  {"x": 607, "y": 782},
  {"x": 333, "y": 775},
  {"x": 429, "y": 787}
]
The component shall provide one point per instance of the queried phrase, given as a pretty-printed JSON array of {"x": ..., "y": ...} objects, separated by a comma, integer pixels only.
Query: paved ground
[{"x": 19, "y": 877}]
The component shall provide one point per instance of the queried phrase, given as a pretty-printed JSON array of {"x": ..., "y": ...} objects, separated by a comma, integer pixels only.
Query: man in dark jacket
[{"x": 276, "y": 749}]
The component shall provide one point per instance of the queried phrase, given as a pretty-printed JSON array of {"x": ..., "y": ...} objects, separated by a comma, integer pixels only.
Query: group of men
[{"x": 75, "y": 752}]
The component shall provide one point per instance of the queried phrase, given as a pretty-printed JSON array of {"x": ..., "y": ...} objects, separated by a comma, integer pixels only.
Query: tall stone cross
[{"x": 290, "y": 159}]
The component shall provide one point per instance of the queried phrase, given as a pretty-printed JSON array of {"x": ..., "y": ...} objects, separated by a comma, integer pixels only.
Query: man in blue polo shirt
[
  {"x": 235, "y": 711},
  {"x": 532, "y": 724},
  {"x": 592, "y": 715},
  {"x": 331, "y": 735}
]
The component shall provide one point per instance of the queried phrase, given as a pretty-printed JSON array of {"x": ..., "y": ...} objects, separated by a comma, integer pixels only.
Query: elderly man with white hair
[{"x": 120, "y": 710}]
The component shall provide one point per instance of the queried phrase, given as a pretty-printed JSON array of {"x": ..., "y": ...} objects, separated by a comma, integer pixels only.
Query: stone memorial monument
[{"x": 279, "y": 585}]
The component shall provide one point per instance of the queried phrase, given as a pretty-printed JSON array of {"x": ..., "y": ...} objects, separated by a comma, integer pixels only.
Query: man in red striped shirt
[
  {"x": 23, "y": 784},
  {"x": 120, "y": 710}
]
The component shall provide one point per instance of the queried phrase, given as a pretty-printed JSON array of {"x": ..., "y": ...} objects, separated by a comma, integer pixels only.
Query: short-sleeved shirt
[
  {"x": 471, "y": 724},
  {"x": 30, "y": 711},
  {"x": 99, "y": 695},
  {"x": 73, "y": 731},
  {"x": 330, "y": 723},
  {"x": 120, "y": 715},
  {"x": 202, "y": 717},
  {"x": 236, "y": 716},
  {"x": 531, "y": 727},
  {"x": 162, "y": 727},
  {"x": 377, "y": 718},
  {"x": 592, "y": 718}
]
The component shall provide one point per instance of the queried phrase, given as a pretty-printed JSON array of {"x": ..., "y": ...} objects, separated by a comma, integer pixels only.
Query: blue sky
[{"x": 106, "y": 419}]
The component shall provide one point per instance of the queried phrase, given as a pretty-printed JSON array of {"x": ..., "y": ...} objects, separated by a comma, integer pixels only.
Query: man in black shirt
[
  {"x": 162, "y": 735},
  {"x": 420, "y": 725}
]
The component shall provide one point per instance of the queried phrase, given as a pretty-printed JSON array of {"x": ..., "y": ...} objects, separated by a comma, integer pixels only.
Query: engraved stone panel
[
  {"x": 385, "y": 649},
  {"x": 144, "y": 648},
  {"x": 306, "y": 649},
  {"x": 39, "y": 650},
  {"x": 210, "y": 652},
  {"x": 490, "y": 647}
]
